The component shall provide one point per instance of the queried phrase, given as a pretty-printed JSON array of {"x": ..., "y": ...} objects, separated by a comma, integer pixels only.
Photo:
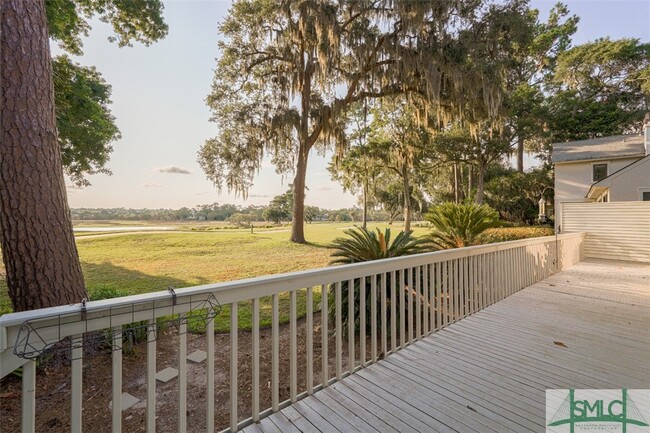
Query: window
[
  {"x": 645, "y": 196},
  {"x": 599, "y": 172}
]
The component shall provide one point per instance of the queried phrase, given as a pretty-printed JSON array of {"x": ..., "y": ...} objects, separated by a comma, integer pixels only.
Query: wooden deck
[{"x": 586, "y": 327}]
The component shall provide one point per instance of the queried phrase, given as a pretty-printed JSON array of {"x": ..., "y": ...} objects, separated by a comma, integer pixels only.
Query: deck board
[{"x": 489, "y": 371}]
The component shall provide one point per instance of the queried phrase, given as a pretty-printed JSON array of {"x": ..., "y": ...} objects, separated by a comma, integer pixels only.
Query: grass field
[
  {"x": 131, "y": 263},
  {"x": 119, "y": 264}
]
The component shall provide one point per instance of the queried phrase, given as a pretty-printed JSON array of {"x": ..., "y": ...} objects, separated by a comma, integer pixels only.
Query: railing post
[
  {"x": 76, "y": 383},
  {"x": 28, "y": 424},
  {"x": 293, "y": 348},
  {"x": 275, "y": 355},
  {"x": 116, "y": 355},
  {"x": 234, "y": 365},
  {"x": 255, "y": 391},
  {"x": 151, "y": 376},
  {"x": 324, "y": 339},
  {"x": 182, "y": 374},
  {"x": 310, "y": 339},
  {"x": 209, "y": 400}
]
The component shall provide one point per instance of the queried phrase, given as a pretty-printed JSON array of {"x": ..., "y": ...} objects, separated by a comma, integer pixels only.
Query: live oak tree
[
  {"x": 38, "y": 247},
  {"x": 398, "y": 143},
  {"x": 358, "y": 168},
  {"x": 290, "y": 69}
]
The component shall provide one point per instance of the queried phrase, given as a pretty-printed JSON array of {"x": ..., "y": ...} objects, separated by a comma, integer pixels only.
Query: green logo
[{"x": 595, "y": 407}]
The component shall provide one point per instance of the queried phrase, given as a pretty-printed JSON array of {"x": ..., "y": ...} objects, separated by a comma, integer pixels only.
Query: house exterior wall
[
  {"x": 628, "y": 186},
  {"x": 573, "y": 180}
]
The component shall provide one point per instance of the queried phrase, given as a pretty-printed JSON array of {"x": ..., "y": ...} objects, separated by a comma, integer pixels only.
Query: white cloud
[
  {"x": 151, "y": 185},
  {"x": 173, "y": 169}
]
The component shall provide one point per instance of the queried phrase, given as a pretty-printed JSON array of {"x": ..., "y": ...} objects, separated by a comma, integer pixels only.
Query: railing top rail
[{"x": 240, "y": 290}]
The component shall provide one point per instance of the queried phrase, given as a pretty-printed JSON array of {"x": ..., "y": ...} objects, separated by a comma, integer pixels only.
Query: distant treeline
[{"x": 235, "y": 214}]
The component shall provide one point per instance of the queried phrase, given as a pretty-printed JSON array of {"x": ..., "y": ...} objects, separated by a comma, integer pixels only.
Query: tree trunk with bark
[
  {"x": 298, "y": 224},
  {"x": 520, "y": 154},
  {"x": 407, "y": 200},
  {"x": 480, "y": 181},
  {"x": 456, "y": 188},
  {"x": 365, "y": 205},
  {"x": 38, "y": 246}
]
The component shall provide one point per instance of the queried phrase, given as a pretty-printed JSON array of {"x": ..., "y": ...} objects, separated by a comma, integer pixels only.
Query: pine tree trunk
[
  {"x": 38, "y": 246},
  {"x": 520, "y": 154},
  {"x": 298, "y": 224}
]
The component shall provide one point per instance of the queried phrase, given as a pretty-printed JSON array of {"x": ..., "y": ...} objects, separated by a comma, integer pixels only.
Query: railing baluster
[
  {"x": 456, "y": 289},
  {"x": 362, "y": 321},
  {"x": 475, "y": 283},
  {"x": 393, "y": 311},
  {"x": 445, "y": 292},
  {"x": 182, "y": 375},
  {"x": 234, "y": 365},
  {"x": 418, "y": 301},
  {"x": 463, "y": 287},
  {"x": 76, "y": 383},
  {"x": 409, "y": 295},
  {"x": 384, "y": 315},
  {"x": 209, "y": 416},
  {"x": 426, "y": 312},
  {"x": 116, "y": 355},
  {"x": 255, "y": 391},
  {"x": 432, "y": 297},
  {"x": 339, "y": 331},
  {"x": 324, "y": 332},
  {"x": 151, "y": 376},
  {"x": 373, "y": 318},
  {"x": 466, "y": 285},
  {"x": 28, "y": 423},
  {"x": 293, "y": 348},
  {"x": 437, "y": 293},
  {"x": 310, "y": 340},
  {"x": 275, "y": 354},
  {"x": 478, "y": 290},
  {"x": 351, "y": 320},
  {"x": 402, "y": 309}
]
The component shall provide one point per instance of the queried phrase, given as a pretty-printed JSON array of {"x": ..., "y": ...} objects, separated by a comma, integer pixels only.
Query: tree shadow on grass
[{"x": 107, "y": 280}]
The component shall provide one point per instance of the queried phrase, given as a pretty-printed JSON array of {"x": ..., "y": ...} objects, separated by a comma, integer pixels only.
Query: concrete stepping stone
[
  {"x": 197, "y": 357},
  {"x": 167, "y": 374},
  {"x": 128, "y": 401}
]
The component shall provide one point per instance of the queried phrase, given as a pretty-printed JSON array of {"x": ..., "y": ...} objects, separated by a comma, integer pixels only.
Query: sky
[{"x": 159, "y": 103}]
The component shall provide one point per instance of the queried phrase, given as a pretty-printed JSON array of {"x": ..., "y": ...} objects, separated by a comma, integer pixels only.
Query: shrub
[
  {"x": 503, "y": 234},
  {"x": 363, "y": 245},
  {"x": 132, "y": 333},
  {"x": 459, "y": 225}
]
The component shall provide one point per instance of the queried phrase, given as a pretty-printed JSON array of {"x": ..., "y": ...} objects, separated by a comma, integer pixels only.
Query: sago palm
[
  {"x": 459, "y": 225},
  {"x": 363, "y": 245}
]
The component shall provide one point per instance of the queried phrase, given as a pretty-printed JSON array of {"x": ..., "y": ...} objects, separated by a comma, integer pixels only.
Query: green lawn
[
  {"x": 132, "y": 263},
  {"x": 144, "y": 262}
]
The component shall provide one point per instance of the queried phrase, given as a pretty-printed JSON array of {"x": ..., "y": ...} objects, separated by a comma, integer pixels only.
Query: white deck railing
[{"x": 423, "y": 292}]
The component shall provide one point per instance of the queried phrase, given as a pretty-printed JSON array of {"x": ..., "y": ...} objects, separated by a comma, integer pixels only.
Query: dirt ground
[{"x": 53, "y": 383}]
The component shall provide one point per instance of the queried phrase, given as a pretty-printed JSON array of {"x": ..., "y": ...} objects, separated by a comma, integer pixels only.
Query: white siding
[
  {"x": 615, "y": 230},
  {"x": 573, "y": 180}
]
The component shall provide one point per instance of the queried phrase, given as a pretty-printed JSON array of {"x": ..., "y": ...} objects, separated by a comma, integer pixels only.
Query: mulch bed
[{"x": 53, "y": 383}]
